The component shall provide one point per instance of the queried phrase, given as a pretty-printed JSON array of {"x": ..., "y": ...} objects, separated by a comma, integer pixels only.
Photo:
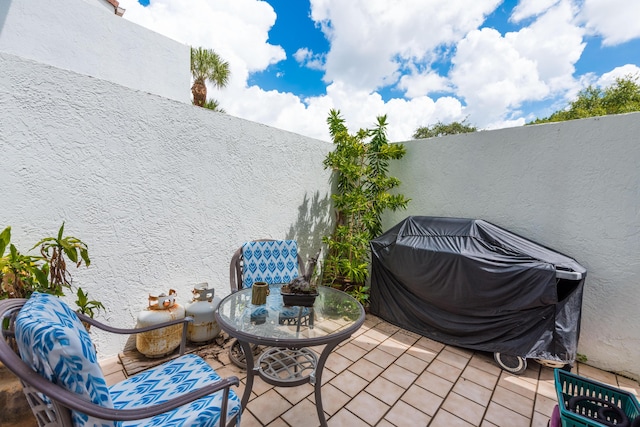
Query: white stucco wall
[
  {"x": 90, "y": 39},
  {"x": 162, "y": 192},
  {"x": 572, "y": 186}
]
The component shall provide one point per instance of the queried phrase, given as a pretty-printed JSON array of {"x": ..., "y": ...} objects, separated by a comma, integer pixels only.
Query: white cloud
[
  {"x": 495, "y": 74},
  {"x": 617, "y": 21},
  {"x": 530, "y": 8},
  {"x": 372, "y": 39},
  {"x": 308, "y": 59},
  {"x": 608, "y": 79},
  {"x": 419, "y": 84}
]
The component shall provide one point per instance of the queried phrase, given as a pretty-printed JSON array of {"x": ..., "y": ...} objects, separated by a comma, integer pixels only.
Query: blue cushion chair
[{"x": 65, "y": 385}]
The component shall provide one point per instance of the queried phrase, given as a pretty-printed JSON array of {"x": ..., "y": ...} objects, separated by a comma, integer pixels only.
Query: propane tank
[
  {"x": 204, "y": 304},
  {"x": 160, "y": 342}
]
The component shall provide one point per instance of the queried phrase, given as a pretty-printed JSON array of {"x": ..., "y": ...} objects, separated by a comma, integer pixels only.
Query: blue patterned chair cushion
[
  {"x": 53, "y": 341},
  {"x": 271, "y": 261},
  {"x": 172, "y": 379}
]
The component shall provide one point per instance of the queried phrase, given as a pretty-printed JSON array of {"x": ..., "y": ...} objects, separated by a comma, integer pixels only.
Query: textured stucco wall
[
  {"x": 90, "y": 39},
  {"x": 572, "y": 186},
  {"x": 162, "y": 192}
]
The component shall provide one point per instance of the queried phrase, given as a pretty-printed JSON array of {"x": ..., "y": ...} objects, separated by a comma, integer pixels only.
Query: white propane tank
[
  {"x": 202, "y": 308},
  {"x": 159, "y": 343}
]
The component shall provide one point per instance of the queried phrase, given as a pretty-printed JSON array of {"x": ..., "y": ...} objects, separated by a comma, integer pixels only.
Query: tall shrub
[{"x": 360, "y": 162}]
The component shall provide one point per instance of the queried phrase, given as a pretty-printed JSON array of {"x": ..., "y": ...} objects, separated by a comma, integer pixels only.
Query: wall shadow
[{"x": 314, "y": 221}]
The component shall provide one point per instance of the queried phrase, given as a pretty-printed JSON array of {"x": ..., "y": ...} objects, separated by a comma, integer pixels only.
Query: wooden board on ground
[{"x": 134, "y": 362}]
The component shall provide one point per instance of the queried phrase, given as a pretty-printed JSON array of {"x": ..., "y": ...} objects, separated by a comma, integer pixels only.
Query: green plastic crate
[{"x": 569, "y": 385}]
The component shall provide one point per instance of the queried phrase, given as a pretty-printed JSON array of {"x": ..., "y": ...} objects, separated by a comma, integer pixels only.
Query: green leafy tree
[
  {"x": 441, "y": 129},
  {"x": 207, "y": 66},
  {"x": 214, "y": 105},
  {"x": 621, "y": 97},
  {"x": 360, "y": 162}
]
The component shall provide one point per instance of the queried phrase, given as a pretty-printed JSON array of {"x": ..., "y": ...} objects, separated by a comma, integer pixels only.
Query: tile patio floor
[{"x": 387, "y": 376}]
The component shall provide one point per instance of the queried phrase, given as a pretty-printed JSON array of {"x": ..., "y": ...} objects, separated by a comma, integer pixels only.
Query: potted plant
[
  {"x": 21, "y": 274},
  {"x": 299, "y": 292}
]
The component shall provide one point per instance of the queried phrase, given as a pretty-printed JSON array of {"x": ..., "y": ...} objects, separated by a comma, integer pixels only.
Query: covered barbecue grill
[{"x": 469, "y": 283}]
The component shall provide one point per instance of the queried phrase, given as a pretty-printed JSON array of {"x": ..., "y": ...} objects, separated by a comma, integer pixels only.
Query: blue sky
[{"x": 492, "y": 63}]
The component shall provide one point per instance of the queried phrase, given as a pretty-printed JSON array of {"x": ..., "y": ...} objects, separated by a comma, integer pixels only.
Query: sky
[{"x": 489, "y": 63}]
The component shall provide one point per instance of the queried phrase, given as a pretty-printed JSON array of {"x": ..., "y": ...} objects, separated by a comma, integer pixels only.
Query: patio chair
[
  {"x": 271, "y": 261},
  {"x": 64, "y": 385}
]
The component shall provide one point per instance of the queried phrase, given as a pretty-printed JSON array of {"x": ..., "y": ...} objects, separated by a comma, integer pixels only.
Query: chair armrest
[{"x": 127, "y": 331}]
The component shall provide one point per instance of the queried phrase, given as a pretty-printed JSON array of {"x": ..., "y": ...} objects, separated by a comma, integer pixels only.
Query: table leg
[
  {"x": 248, "y": 357},
  {"x": 318, "y": 381}
]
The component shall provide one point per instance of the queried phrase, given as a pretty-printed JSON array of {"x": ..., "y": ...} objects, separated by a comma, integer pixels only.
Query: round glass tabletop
[{"x": 334, "y": 314}]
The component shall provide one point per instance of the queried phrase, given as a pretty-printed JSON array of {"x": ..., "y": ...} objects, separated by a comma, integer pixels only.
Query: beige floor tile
[
  {"x": 387, "y": 328},
  {"x": 486, "y": 423},
  {"x": 115, "y": 377},
  {"x": 351, "y": 351},
  {"x": 399, "y": 375},
  {"x": 629, "y": 385},
  {"x": 514, "y": 401},
  {"x": 444, "y": 418},
  {"x": 473, "y": 391},
  {"x": 278, "y": 422},
  {"x": 248, "y": 420},
  {"x": 485, "y": 363},
  {"x": 596, "y": 374},
  {"x": 547, "y": 388},
  {"x": 385, "y": 390},
  {"x": 453, "y": 359},
  {"x": 540, "y": 420},
  {"x": 377, "y": 335},
  {"x": 406, "y": 337},
  {"x": 332, "y": 399},
  {"x": 480, "y": 377},
  {"x": 380, "y": 358},
  {"x": 411, "y": 363},
  {"x": 367, "y": 407},
  {"x": 110, "y": 365},
  {"x": 422, "y": 353},
  {"x": 434, "y": 384},
  {"x": 260, "y": 387},
  {"x": 345, "y": 418},
  {"x": 464, "y": 408},
  {"x": 337, "y": 363},
  {"x": 422, "y": 399},
  {"x": 268, "y": 406},
  {"x": 349, "y": 383},
  {"x": 295, "y": 394},
  {"x": 365, "y": 342},
  {"x": 384, "y": 423},
  {"x": 518, "y": 385},
  {"x": 393, "y": 347},
  {"x": 303, "y": 414},
  {"x": 327, "y": 375},
  {"x": 546, "y": 374},
  {"x": 461, "y": 351},
  {"x": 402, "y": 414},
  {"x": 503, "y": 417},
  {"x": 430, "y": 344},
  {"x": 444, "y": 370},
  {"x": 366, "y": 369},
  {"x": 544, "y": 405}
]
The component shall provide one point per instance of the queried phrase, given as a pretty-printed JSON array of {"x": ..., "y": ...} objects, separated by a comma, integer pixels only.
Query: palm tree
[{"x": 206, "y": 64}]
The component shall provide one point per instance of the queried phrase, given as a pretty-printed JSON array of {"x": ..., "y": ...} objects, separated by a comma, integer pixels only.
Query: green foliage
[
  {"x": 621, "y": 97},
  {"x": 213, "y": 104},
  {"x": 85, "y": 305},
  {"x": 581, "y": 358},
  {"x": 441, "y": 129},
  {"x": 360, "y": 162},
  {"x": 23, "y": 274}
]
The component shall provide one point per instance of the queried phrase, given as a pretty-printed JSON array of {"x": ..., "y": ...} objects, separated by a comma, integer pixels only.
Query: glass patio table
[{"x": 288, "y": 332}]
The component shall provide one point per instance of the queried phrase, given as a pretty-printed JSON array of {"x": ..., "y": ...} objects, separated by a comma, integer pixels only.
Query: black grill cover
[{"x": 471, "y": 284}]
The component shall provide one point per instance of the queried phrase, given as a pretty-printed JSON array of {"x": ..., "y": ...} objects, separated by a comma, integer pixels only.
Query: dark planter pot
[{"x": 303, "y": 300}]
